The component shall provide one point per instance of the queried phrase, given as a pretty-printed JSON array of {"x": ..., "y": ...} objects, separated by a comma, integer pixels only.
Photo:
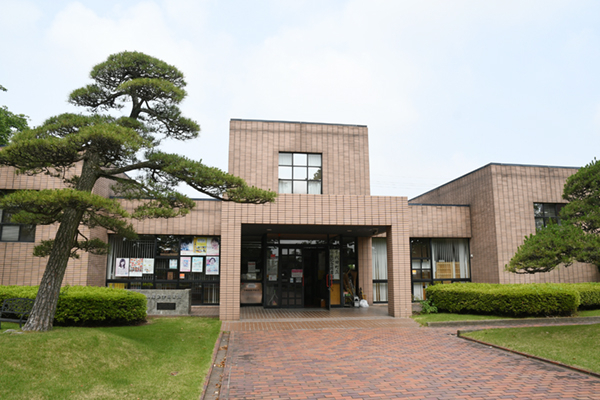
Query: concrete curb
[
  {"x": 577, "y": 369},
  {"x": 512, "y": 322},
  {"x": 212, "y": 383}
]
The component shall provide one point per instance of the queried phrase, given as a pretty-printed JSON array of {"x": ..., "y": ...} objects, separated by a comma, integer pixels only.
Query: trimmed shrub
[
  {"x": 89, "y": 305},
  {"x": 589, "y": 293},
  {"x": 505, "y": 300}
]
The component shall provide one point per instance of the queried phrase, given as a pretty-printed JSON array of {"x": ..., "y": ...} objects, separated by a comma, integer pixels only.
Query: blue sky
[{"x": 445, "y": 87}]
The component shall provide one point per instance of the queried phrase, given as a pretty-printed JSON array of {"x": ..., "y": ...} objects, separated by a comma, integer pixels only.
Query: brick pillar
[
  {"x": 398, "y": 259},
  {"x": 231, "y": 243},
  {"x": 365, "y": 267}
]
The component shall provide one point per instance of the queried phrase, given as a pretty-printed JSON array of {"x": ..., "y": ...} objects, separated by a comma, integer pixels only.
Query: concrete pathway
[{"x": 384, "y": 358}]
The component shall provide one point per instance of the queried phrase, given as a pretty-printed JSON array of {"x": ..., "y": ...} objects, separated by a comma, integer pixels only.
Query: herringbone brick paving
[{"x": 401, "y": 360}]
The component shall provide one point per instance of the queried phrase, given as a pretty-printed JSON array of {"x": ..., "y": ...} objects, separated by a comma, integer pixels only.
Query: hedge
[
  {"x": 518, "y": 300},
  {"x": 590, "y": 294},
  {"x": 89, "y": 305}
]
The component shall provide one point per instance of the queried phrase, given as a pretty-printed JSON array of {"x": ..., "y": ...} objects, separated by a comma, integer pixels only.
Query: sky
[{"x": 444, "y": 87}]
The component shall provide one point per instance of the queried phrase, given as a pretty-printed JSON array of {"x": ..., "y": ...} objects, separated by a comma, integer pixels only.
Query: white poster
[
  {"x": 148, "y": 265},
  {"x": 213, "y": 246},
  {"x": 187, "y": 247},
  {"x": 197, "y": 263},
  {"x": 135, "y": 267},
  {"x": 212, "y": 265},
  {"x": 122, "y": 269},
  {"x": 251, "y": 266},
  {"x": 172, "y": 264},
  {"x": 186, "y": 264}
]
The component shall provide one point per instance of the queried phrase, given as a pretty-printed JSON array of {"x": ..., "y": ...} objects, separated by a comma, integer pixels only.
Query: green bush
[
  {"x": 589, "y": 293},
  {"x": 506, "y": 300},
  {"x": 89, "y": 305}
]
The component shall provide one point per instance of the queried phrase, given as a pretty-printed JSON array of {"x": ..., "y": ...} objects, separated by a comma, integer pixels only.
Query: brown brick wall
[
  {"x": 501, "y": 199},
  {"x": 476, "y": 190},
  {"x": 18, "y": 266},
  {"x": 440, "y": 221},
  {"x": 292, "y": 209},
  {"x": 254, "y": 148},
  {"x": 204, "y": 219}
]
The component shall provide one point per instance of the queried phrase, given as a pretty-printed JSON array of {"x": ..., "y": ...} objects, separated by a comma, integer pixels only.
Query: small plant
[{"x": 427, "y": 307}]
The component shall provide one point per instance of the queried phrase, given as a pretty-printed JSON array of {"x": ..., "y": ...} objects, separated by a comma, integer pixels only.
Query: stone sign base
[{"x": 167, "y": 302}]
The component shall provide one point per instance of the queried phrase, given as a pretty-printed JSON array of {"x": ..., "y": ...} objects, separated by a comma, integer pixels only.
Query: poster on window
[
  {"x": 148, "y": 266},
  {"x": 185, "y": 264},
  {"x": 200, "y": 246},
  {"x": 136, "y": 267},
  {"x": 212, "y": 265},
  {"x": 173, "y": 264},
  {"x": 187, "y": 247},
  {"x": 122, "y": 269},
  {"x": 335, "y": 263},
  {"x": 213, "y": 246},
  {"x": 197, "y": 263}
]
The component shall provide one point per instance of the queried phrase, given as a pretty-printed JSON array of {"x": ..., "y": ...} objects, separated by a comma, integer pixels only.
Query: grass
[
  {"x": 167, "y": 358},
  {"x": 423, "y": 319},
  {"x": 575, "y": 345}
]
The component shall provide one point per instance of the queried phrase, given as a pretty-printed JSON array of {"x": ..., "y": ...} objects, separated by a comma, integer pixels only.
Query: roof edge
[
  {"x": 489, "y": 165},
  {"x": 294, "y": 122}
]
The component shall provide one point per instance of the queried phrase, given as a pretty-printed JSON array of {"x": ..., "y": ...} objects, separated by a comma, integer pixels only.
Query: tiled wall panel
[
  {"x": 254, "y": 148},
  {"x": 440, "y": 221}
]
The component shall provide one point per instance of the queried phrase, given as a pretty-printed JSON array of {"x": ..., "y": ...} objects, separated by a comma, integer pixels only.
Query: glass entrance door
[{"x": 292, "y": 277}]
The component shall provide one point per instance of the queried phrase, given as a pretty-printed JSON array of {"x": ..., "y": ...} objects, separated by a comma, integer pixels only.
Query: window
[
  {"x": 546, "y": 213},
  {"x": 10, "y": 232},
  {"x": 300, "y": 173},
  {"x": 438, "y": 260},
  {"x": 380, "y": 277},
  {"x": 167, "y": 262}
]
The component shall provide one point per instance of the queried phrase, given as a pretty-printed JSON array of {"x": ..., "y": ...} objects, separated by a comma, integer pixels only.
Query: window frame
[
  {"x": 543, "y": 218},
  {"x": 4, "y": 215},
  {"x": 302, "y": 169}
]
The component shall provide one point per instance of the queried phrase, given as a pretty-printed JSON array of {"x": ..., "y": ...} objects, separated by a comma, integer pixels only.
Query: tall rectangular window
[
  {"x": 546, "y": 213},
  {"x": 300, "y": 173}
]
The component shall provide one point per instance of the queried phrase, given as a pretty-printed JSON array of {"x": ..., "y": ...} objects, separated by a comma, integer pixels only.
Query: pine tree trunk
[
  {"x": 42, "y": 314},
  {"x": 44, "y": 307}
]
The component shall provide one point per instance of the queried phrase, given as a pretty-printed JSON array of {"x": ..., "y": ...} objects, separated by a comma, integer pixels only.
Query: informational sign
[
  {"x": 122, "y": 269},
  {"x": 296, "y": 273},
  {"x": 148, "y": 266},
  {"x": 186, "y": 264},
  {"x": 197, "y": 263},
  {"x": 212, "y": 265},
  {"x": 334, "y": 261},
  {"x": 136, "y": 267},
  {"x": 251, "y": 266}
]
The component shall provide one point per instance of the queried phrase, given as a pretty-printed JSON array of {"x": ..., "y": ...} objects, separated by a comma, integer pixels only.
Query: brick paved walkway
[{"x": 400, "y": 360}]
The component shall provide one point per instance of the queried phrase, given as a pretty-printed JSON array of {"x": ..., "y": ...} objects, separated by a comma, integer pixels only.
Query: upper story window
[
  {"x": 546, "y": 213},
  {"x": 10, "y": 232},
  {"x": 300, "y": 173}
]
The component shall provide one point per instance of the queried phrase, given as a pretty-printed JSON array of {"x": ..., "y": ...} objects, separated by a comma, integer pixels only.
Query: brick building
[{"x": 325, "y": 240}]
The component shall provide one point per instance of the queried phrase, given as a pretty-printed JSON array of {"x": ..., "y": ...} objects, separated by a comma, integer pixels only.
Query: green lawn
[
  {"x": 575, "y": 345},
  {"x": 167, "y": 358},
  {"x": 423, "y": 319}
]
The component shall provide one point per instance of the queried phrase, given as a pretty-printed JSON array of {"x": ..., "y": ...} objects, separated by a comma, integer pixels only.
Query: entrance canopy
[{"x": 352, "y": 230}]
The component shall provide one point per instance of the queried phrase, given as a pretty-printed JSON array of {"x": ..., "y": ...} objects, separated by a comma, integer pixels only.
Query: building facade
[{"x": 325, "y": 241}]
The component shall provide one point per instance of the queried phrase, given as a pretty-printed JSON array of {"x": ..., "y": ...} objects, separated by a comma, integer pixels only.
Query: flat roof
[
  {"x": 489, "y": 165},
  {"x": 294, "y": 122}
]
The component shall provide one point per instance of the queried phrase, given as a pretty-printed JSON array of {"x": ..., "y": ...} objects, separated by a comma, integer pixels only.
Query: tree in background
[
  {"x": 576, "y": 238},
  {"x": 82, "y": 149},
  {"x": 10, "y": 122}
]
